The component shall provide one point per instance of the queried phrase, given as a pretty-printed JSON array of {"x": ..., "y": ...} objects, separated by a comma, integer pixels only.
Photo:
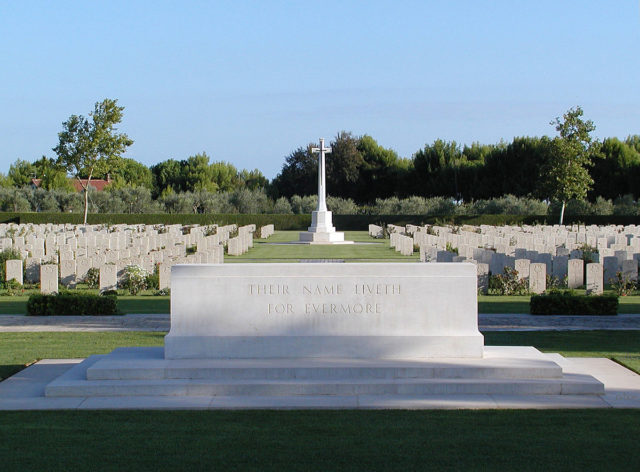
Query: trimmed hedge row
[
  {"x": 566, "y": 303},
  {"x": 281, "y": 222},
  {"x": 72, "y": 304},
  {"x": 301, "y": 222}
]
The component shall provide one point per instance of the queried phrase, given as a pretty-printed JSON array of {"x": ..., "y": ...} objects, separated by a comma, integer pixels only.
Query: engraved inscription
[{"x": 321, "y": 294}]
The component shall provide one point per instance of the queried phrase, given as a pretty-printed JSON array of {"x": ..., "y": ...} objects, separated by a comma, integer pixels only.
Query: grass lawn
[
  {"x": 376, "y": 250},
  {"x": 557, "y": 440}
]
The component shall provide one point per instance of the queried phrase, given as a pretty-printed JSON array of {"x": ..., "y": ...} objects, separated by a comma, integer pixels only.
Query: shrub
[
  {"x": 153, "y": 279},
  {"x": 13, "y": 287},
  {"x": 135, "y": 279},
  {"x": 92, "y": 278},
  {"x": 71, "y": 304},
  {"x": 622, "y": 284},
  {"x": 566, "y": 302},
  {"x": 508, "y": 283}
]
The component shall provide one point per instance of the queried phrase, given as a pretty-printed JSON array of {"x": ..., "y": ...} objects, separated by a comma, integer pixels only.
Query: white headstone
[
  {"x": 49, "y": 279},
  {"x": 108, "y": 277},
  {"x": 595, "y": 284},
  {"x": 13, "y": 269},
  {"x": 575, "y": 273},
  {"x": 537, "y": 277},
  {"x": 68, "y": 272}
]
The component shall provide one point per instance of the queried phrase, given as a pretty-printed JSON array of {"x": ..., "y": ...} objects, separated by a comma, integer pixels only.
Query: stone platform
[{"x": 129, "y": 372}]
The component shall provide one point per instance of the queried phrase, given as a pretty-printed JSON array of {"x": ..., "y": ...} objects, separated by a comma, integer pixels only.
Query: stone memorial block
[
  {"x": 537, "y": 277},
  {"x": 630, "y": 269},
  {"x": 68, "y": 273},
  {"x": 324, "y": 310},
  {"x": 108, "y": 277},
  {"x": 48, "y": 278},
  {"x": 595, "y": 283},
  {"x": 482, "y": 271},
  {"x": 13, "y": 269},
  {"x": 522, "y": 267}
]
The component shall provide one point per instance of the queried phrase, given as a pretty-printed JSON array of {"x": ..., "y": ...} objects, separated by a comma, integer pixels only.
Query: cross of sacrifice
[{"x": 322, "y": 189}]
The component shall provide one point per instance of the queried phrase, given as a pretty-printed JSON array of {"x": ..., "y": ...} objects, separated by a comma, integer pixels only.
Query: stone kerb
[{"x": 324, "y": 310}]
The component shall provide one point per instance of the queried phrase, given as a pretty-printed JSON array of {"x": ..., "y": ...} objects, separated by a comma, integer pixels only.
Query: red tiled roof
[{"x": 98, "y": 184}]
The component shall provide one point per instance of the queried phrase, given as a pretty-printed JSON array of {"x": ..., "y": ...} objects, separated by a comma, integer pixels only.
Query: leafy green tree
[
  {"x": 343, "y": 166},
  {"x": 299, "y": 175},
  {"x": 225, "y": 176},
  {"x": 566, "y": 171},
  {"x": 5, "y": 181},
  {"x": 167, "y": 178},
  {"x": 198, "y": 174},
  {"x": 252, "y": 179},
  {"x": 131, "y": 173},
  {"x": 617, "y": 172},
  {"x": 21, "y": 172},
  {"x": 51, "y": 175},
  {"x": 91, "y": 146}
]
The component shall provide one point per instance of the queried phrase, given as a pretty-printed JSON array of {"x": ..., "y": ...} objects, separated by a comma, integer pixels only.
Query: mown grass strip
[{"x": 558, "y": 440}]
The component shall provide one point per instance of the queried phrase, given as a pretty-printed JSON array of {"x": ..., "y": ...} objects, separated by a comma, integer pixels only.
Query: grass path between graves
[
  {"x": 272, "y": 250},
  {"x": 254, "y": 440},
  {"x": 559, "y": 440}
]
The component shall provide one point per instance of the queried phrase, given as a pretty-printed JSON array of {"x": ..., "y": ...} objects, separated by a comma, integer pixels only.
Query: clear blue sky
[{"x": 248, "y": 82}]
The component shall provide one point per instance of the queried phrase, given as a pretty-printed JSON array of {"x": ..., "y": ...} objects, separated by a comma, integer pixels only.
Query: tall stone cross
[{"x": 322, "y": 187}]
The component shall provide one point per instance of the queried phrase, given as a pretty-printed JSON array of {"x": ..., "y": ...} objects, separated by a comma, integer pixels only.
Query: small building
[{"x": 98, "y": 184}]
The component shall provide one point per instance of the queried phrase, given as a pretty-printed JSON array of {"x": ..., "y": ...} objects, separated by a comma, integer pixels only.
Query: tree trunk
[
  {"x": 86, "y": 204},
  {"x": 562, "y": 213}
]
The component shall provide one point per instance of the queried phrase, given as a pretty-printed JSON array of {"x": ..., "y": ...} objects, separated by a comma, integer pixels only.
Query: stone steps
[{"x": 134, "y": 372}]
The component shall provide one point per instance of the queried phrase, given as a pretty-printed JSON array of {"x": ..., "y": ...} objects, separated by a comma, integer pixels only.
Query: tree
[
  {"x": 90, "y": 146},
  {"x": 51, "y": 175},
  {"x": 131, "y": 173},
  {"x": 565, "y": 172},
  {"x": 299, "y": 175},
  {"x": 21, "y": 172}
]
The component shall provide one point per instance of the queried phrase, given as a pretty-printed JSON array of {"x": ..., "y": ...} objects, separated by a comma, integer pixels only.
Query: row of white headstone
[
  {"x": 615, "y": 249},
  {"x": 65, "y": 253}
]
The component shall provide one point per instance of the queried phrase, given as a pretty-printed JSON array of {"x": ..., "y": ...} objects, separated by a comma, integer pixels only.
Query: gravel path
[{"x": 500, "y": 322}]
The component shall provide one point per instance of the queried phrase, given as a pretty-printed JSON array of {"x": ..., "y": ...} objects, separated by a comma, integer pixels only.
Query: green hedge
[
  {"x": 567, "y": 303},
  {"x": 281, "y": 222},
  {"x": 301, "y": 222},
  {"x": 72, "y": 304}
]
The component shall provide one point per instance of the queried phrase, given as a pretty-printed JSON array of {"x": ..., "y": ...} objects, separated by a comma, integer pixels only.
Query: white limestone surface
[{"x": 380, "y": 311}]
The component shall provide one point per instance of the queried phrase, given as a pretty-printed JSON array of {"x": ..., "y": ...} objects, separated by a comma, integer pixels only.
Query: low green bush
[
  {"x": 72, "y": 304},
  {"x": 566, "y": 302}
]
